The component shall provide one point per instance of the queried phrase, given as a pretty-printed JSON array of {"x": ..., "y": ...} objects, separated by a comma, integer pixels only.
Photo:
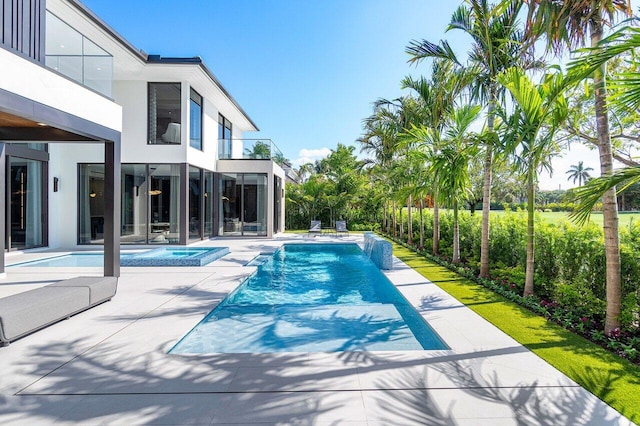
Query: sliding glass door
[
  {"x": 243, "y": 204},
  {"x": 27, "y": 183}
]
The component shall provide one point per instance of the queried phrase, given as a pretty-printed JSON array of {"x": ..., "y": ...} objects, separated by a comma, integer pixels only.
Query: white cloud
[{"x": 310, "y": 155}]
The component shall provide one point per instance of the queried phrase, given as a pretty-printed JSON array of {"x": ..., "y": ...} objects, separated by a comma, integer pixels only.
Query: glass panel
[
  {"x": 37, "y": 146},
  {"x": 255, "y": 204},
  {"x": 164, "y": 113},
  {"x": 277, "y": 203},
  {"x": 61, "y": 38},
  {"x": 195, "y": 203},
  {"x": 77, "y": 57},
  {"x": 230, "y": 204},
  {"x": 195, "y": 120},
  {"x": 91, "y": 204},
  {"x": 92, "y": 49},
  {"x": 98, "y": 73},
  {"x": 26, "y": 203},
  {"x": 134, "y": 204},
  {"x": 224, "y": 137},
  {"x": 164, "y": 198},
  {"x": 208, "y": 204},
  {"x": 71, "y": 66}
]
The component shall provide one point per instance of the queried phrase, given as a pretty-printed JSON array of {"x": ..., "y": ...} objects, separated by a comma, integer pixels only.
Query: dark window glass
[
  {"x": 224, "y": 137},
  {"x": 195, "y": 120},
  {"x": 164, "y": 113}
]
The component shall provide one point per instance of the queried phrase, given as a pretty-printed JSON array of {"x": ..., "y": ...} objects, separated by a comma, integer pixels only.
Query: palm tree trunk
[
  {"x": 528, "y": 280},
  {"x": 486, "y": 193},
  {"x": 401, "y": 225},
  {"x": 456, "y": 233},
  {"x": 609, "y": 201},
  {"x": 421, "y": 223},
  {"x": 436, "y": 224},
  {"x": 409, "y": 221},
  {"x": 395, "y": 221}
]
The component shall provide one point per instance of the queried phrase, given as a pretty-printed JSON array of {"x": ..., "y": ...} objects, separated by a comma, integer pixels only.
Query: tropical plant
[
  {"x": 529, "y": 135},
  {"x": 496, "y": 46},
  {"x": 578, "y": 172},
  {"x": 567, "y": 25},
  {"x": 450, "y": 166}
]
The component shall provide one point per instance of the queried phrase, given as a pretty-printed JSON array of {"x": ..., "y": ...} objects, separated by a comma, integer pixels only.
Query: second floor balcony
[{"x": 249, "y": 149}]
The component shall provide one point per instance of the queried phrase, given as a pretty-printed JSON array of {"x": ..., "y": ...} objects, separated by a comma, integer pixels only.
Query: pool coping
[{"x": 109, "y": 365}]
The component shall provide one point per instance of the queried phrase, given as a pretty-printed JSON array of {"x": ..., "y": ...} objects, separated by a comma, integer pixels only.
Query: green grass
[
  {"x": 612, "y": 379},
  {"x": 625, "y": 218}
]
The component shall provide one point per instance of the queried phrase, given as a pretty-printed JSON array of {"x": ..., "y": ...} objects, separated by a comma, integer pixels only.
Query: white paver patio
[{"x": 109, "y": 365}]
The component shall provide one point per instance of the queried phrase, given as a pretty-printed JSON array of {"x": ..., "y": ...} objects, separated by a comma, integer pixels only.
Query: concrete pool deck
[{"x": 109, "y": 365}]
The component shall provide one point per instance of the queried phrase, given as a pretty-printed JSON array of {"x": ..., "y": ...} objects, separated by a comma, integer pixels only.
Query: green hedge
[{"x": 570, "y": 261}]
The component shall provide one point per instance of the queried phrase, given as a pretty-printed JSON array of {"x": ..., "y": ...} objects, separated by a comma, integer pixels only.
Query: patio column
[
  {"x": 3, "y": 198},
  {"x": 112, "y": 208}
]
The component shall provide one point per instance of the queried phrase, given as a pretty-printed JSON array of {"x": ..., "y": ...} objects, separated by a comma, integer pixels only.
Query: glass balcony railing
[{"x": 249, "y": 149}]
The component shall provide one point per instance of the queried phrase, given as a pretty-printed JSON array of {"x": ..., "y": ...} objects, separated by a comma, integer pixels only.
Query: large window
[
  {"x": 164, "y": 203},
  {"x": 195, "y": 203},
  {"x": 224, "y": 137},
  {"x": 243, "y": 204},
  {"x": 134, "y": 203},
  {"x": 91, "y": 203},
  {"x": 195, "y": 120},
  {"x": 26, "y": 213},
  {"x": 150, "y": 204},
  {"x": 164, "y": 113},
  {"x": 77, "y": 57}
]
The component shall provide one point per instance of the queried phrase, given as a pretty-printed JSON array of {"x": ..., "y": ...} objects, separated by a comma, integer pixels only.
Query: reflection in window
[
  {"x": 209, "y": 201},
  {"x": 195, "y": 120},
  {"x": 26, "y": 202},
  {"x": 195, "y": 203},
  {"x": 243, "y": 204},
  {"x": 224, "y": 137},
  {"x": 77, "y": 57},
  {"x": 164, "y": 198},
  {"x": 164, "y": 113},
  {"x": 134, "y": 203},
  {"x": 91, "y": 200}
]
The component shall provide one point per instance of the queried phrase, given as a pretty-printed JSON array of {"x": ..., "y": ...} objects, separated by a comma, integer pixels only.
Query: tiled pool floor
[{"x": 109, "y": 365}]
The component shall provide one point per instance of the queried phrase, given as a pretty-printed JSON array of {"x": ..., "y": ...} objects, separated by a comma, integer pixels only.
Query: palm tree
[
  {"x": 450, "y": 166},
  {"x": 578, "y": 172},
  {"x": 567, "y": 25},
  {"x": 437, "y": 98},
  {"x": 497, "y": 45},
  {"x": 529, "y": 135}
]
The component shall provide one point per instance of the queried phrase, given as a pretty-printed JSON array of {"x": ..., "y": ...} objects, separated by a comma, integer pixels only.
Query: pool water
[
  {"x": 312, "y": 298},
  {"x": 184, "y": 256}
]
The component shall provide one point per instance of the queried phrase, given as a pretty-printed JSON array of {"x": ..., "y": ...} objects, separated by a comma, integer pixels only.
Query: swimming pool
[
  {"x": 183, "y": 256},
  {"x": 312, "y": 298}
]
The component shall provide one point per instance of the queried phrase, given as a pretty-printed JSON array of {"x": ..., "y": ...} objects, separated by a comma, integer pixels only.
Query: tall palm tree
[
  {"x": 567, "y": 25},
  {"x": 437, "y": 97},
  {"x": 529, "y": 135},
  {"x": 578, "y": 172},
  {"x": 450, "y": 166},
  {"x": 496, "y": 46}
]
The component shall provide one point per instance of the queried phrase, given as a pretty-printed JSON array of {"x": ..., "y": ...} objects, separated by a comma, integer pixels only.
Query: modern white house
[{"x": 91, "y": 127}]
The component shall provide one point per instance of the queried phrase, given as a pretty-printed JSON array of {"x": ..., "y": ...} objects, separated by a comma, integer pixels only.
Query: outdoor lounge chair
[
  {"x": 316, "y": 227},
  {"x": 341, "y": 227}
]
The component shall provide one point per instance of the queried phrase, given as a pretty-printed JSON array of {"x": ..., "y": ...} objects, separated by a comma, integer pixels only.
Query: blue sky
[{"x": 305, "y": 71}]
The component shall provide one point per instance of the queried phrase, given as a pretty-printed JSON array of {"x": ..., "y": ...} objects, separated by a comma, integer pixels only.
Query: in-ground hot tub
[{"x": 187, "y": 256}]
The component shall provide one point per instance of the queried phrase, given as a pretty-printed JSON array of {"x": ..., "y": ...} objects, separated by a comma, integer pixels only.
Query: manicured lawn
[
  {"x": 625, "y": 218},
  {"x": 612, "y": 379}
]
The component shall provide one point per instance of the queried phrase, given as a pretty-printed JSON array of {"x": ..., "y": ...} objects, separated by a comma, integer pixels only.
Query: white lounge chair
[
  {"x": 341, "y": 227},
  {"x": 316, "y": 227}
]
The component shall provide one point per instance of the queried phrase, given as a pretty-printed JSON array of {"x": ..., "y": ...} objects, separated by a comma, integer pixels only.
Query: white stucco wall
[
  {"x": 25, "y": 78},
  {"x": 63, "y": 205}
]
